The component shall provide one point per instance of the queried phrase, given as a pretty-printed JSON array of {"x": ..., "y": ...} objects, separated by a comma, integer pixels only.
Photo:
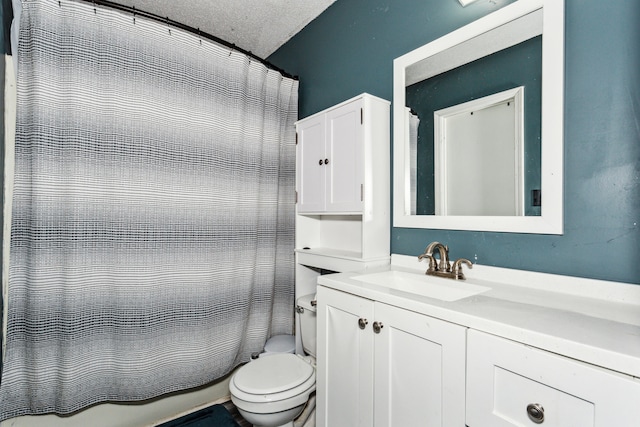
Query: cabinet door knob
[
  {"x": 362, "y": 323},
  {"x": 535, "y": 412},
  {"x": 320, "y": 162},
  {"x": 377, "y": 326},
  {"x": 326, "y": 161}
]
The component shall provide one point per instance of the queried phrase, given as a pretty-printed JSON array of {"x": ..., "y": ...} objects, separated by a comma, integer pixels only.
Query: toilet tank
[{"x": 306, "y": 309}]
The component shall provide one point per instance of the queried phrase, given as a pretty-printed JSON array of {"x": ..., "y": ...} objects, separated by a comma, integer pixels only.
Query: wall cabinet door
[
  {"x": 345, "y": 175},
  {"x": 330, "y": 161},
  {"x": 510, "y": 384},
  {"x": 310, "y": 166},
  {"x": 383, "y": 366}
]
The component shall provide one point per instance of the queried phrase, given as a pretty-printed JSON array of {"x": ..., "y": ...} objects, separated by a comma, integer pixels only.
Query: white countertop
[{"x": 594, "y": 321}]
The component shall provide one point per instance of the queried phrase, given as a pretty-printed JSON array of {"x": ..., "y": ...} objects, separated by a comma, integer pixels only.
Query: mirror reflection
[{"x": 483, "y": 177}]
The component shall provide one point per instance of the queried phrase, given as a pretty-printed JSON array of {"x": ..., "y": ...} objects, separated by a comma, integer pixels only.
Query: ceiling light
[{"x": 466, "y": 2}]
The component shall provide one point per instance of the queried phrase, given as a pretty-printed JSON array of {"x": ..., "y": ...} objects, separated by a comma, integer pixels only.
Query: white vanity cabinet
[
  {"x": 511, "y": 384},
  {"x": 530, "y": 349},
  {"x": 385, "y": 366}
]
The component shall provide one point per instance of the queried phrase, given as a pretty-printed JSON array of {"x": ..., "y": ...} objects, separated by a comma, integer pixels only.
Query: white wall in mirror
[
  {"x": 478, "y": 156},
  {"x": 499, "y": 30}
]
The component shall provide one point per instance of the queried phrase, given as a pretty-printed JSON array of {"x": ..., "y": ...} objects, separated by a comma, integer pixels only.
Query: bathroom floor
[
  {"x": 230, "y": 407},
  {"x": 217, "y": 415},
  {"x": 235, "y": 414}
]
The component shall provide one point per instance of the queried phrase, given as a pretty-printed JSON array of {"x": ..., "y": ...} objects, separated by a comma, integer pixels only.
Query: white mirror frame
[{"x": 461, "y": 41}]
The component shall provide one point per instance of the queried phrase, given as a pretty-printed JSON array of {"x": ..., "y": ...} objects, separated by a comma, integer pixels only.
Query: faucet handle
[
  {"x": 457, "y": 268},
  {"x": 432, "y": 262}
]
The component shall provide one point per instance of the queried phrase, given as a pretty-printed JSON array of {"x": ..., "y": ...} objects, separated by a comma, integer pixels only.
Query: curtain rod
[{"x": 166, "y": 20}]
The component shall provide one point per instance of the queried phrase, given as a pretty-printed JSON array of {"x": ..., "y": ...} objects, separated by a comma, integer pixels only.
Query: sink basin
[{"x": 421, "y": 284}]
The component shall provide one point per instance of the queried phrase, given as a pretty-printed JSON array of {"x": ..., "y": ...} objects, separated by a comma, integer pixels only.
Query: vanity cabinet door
[
  {"x": 510, "y": 384},
  {"x": 344, "y": 376},
  {"x": 382, "y": 366},
  {"x": 419, "y": 370}
]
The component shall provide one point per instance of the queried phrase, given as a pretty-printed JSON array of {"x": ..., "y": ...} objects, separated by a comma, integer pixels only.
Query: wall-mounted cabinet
[
  {"x": 341, "y": 153},
  {"x": 330, "y": 160},
  {"x": 343, "y": 189}
]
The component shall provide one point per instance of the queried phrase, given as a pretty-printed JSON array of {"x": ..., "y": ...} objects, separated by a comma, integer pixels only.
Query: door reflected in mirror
[
  {"x": 496, "y": 165},
  {"x": 479, "y": 155}
]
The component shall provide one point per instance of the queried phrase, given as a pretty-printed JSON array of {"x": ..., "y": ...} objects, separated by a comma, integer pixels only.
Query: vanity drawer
[{"x": 511, "y": 384}]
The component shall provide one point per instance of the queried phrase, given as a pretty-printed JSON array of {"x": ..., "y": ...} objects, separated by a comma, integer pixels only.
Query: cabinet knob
[
  {"x": 362, "y": 323},
  {"x": 326, "y": 161},
  {"x": 377, "y": 327},
  {"x": 320, "y": 162},
  {"x": 535, "y": 412}
]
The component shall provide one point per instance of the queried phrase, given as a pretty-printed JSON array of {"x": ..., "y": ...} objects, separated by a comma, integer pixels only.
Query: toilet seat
[{"x": 273, "y": 378}]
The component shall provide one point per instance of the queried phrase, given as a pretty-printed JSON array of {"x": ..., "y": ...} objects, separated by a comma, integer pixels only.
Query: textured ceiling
[{"x": 258, "y": 26}]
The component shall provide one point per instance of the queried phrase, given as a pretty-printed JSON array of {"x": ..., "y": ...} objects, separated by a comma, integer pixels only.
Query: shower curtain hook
[
  {"x": 199, "y": 37},
  {"x": 134, "y": 15},
  {"x": 94, "y": 7},
  {"x": 168, "y": 25}
]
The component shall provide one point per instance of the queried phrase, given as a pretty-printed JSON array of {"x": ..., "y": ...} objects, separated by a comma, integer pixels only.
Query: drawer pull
[{"x": 535, "y": 412}]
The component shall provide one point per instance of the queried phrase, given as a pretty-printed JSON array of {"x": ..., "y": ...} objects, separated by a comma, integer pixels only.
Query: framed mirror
[{"x": 503, "y": 70}]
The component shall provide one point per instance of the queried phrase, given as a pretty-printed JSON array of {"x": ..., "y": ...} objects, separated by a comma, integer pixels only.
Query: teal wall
[{"x": 349, "y": 49}]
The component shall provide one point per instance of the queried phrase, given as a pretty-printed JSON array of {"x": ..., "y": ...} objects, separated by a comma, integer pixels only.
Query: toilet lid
[{"x": 273, "y": 374}]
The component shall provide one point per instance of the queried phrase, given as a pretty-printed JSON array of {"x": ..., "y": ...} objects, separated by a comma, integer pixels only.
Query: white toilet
[{"x": 272, "y": 390}]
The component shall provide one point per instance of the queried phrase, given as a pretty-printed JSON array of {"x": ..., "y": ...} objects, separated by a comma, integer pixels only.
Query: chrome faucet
[{"x": 442, "y": 268}]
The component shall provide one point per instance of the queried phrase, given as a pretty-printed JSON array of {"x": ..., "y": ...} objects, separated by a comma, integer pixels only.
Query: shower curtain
[{"x": 153, "y": 213}]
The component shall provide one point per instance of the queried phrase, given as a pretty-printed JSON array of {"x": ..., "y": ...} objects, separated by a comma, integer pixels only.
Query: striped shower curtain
[{"x": 153, "y": 212}]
